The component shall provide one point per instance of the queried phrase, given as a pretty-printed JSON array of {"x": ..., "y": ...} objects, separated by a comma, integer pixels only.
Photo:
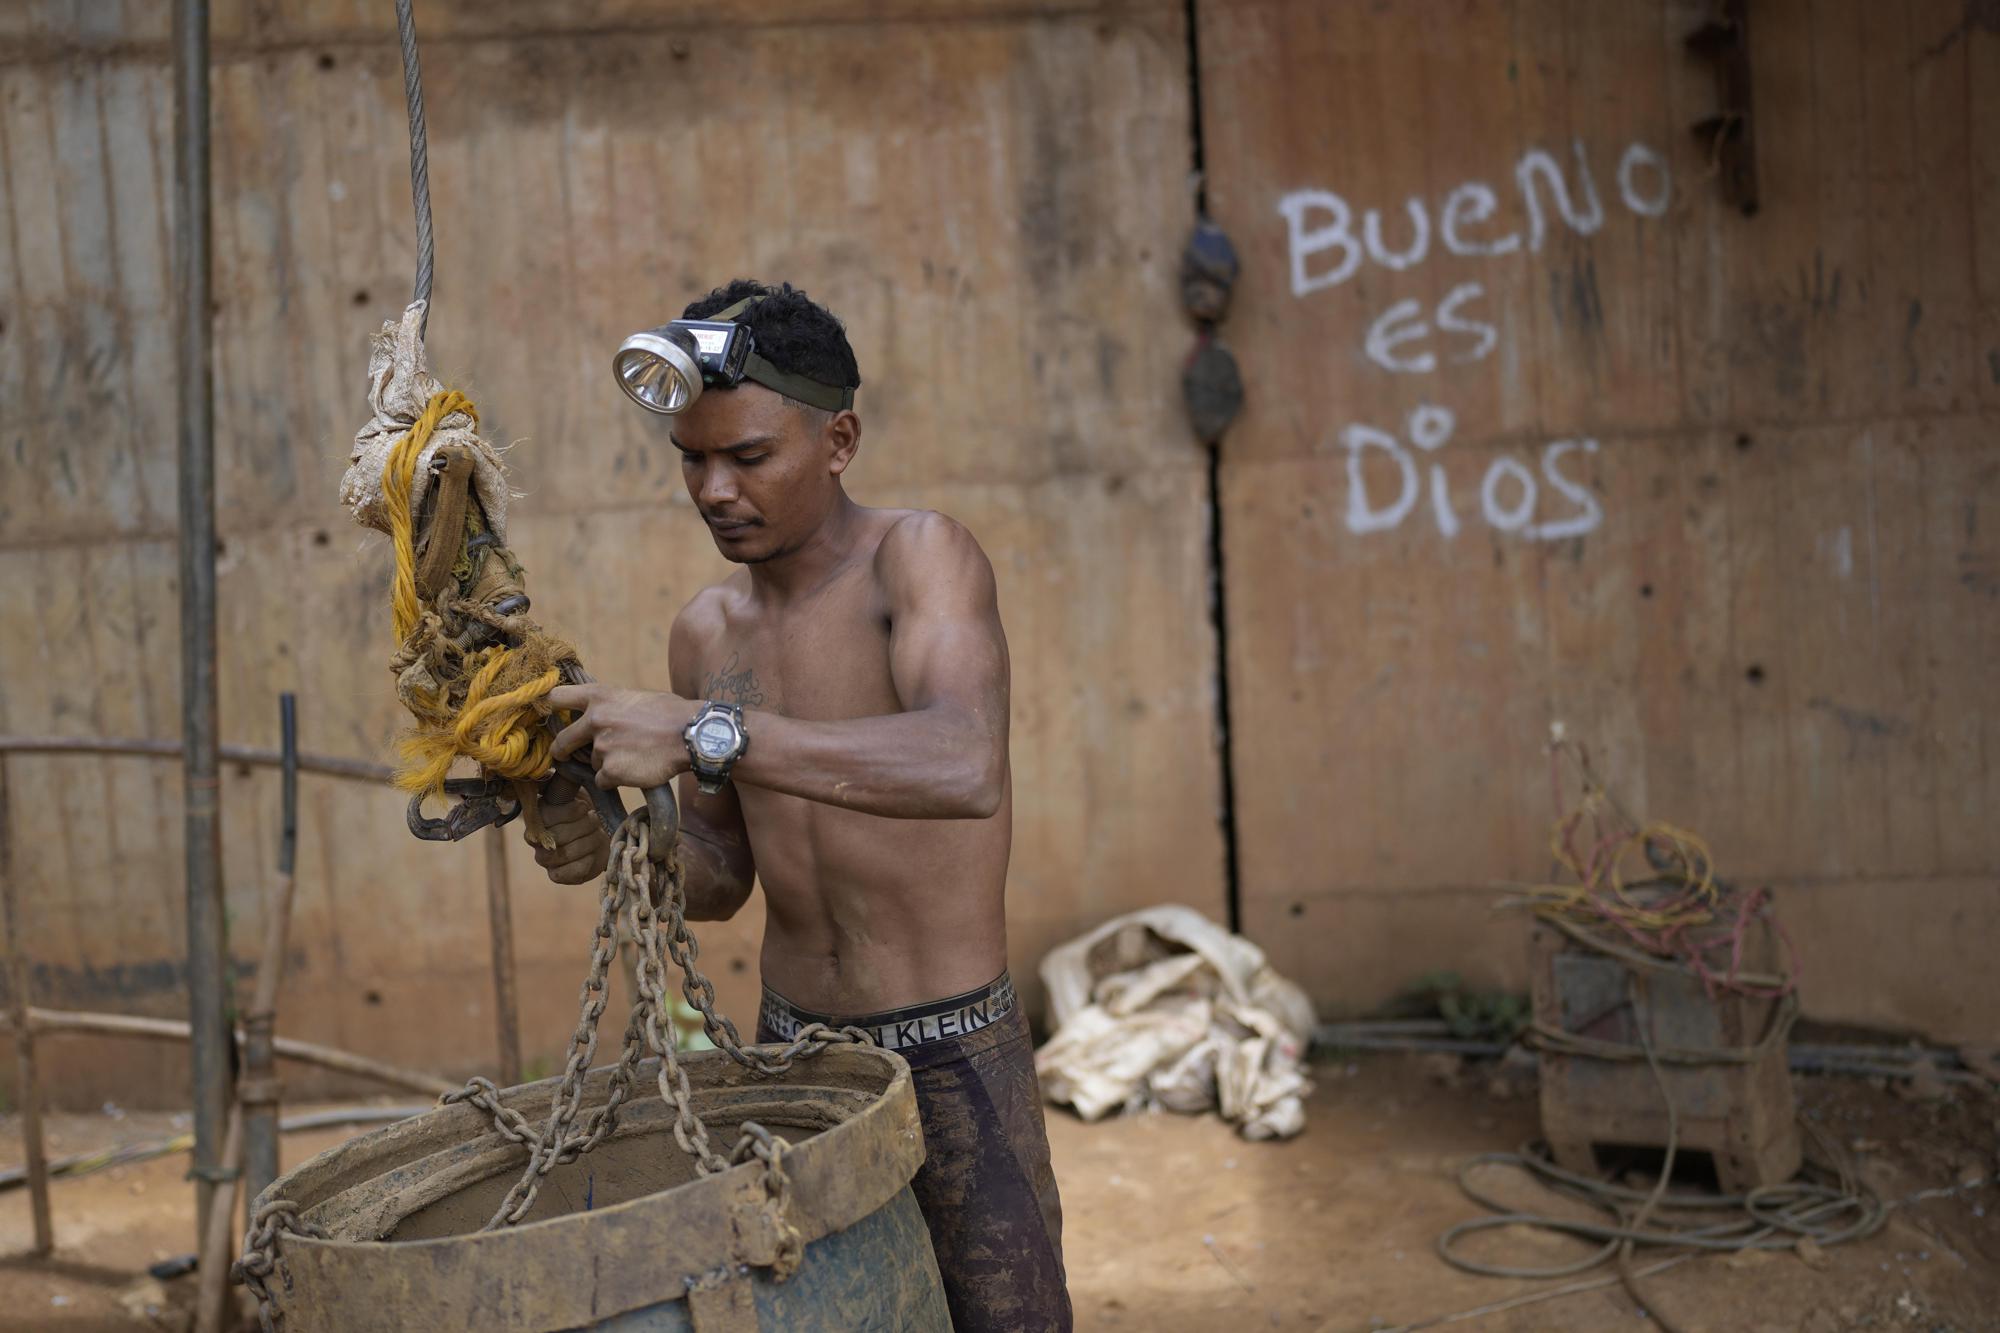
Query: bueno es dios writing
[{"x": 1408, "y": 338}]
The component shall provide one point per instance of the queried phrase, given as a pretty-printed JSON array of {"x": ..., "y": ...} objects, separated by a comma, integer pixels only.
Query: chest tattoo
[{"x": 734, "y": 684}]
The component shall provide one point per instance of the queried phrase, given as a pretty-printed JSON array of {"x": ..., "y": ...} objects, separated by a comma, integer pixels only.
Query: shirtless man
[{"x": 871, "y": 798}]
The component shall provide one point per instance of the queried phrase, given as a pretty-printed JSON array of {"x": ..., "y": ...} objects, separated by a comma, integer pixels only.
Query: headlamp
[{"x": 665, "y": 369}]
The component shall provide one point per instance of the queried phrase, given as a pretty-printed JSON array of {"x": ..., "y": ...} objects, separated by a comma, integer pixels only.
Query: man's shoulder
[
  {"x": 705, "y": 618},
  {"x": 919, "y": 537},
  {"x": 921, "y": 548},
  {"x": 709, "y": 608}
]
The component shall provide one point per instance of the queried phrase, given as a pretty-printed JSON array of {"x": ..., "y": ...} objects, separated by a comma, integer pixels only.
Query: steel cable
[{"x": 420, "y": 169}]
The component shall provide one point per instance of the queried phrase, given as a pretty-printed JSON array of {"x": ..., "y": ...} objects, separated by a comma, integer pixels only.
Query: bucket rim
[{"x": 580, "y": 1267}]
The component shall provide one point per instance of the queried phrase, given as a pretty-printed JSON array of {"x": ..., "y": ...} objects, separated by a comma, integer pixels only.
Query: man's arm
[
  {"x": 715, "y": 844},
  {"x": 943, "y": 757}
]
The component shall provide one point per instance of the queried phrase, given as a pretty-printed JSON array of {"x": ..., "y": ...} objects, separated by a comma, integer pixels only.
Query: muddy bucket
[{"x": 627, "y": 1237}]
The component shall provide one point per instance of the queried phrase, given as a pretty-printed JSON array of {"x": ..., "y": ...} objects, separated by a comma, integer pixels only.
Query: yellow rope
[
  {"x": 1692, "y": 868},
  {"x": 398, "y": 479},
  {"x": 497, "y": 723},
  {"x": 501, "y": 732}
]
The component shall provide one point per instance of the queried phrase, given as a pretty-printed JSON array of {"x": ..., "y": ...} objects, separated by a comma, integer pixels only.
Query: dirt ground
[{"x": 1173, "y": 1223}]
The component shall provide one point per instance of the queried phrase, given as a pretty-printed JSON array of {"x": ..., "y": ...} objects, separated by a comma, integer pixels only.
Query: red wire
[{"x": 1675, "y": 941}]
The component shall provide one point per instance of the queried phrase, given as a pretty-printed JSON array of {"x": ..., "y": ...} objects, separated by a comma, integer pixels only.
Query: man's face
[{"x": 763, "y": 472}]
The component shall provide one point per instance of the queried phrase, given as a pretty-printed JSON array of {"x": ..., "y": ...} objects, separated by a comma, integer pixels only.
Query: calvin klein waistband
[{"x": 901, "y": 1029}]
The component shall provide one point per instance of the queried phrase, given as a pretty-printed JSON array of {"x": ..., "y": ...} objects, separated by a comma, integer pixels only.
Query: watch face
[{"x": 715, "y": 738}]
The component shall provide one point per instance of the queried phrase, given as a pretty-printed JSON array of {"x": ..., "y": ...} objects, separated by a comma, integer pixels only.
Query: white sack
[{"x": 1162, "y": 1007}]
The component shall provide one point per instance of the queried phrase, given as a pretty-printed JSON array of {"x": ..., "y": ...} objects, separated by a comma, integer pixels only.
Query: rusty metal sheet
[
  {"x": 1539, "y": 430},
  {"x": 981, "y": 195}
]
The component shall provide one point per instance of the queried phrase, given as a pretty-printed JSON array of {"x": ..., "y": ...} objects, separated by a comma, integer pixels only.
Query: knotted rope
[{"x": 483, "y": 703}]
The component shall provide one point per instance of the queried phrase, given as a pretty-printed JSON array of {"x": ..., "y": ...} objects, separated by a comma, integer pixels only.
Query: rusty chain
[
  {"x": 259, "y": 1263},
  {"x": 650, "y": 896},
  {"x": 769, "y": 1149},
  {"x": 700, "y": 992}
]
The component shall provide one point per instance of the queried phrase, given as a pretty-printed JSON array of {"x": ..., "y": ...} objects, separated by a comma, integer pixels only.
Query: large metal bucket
[{"x": 626, "y": 1237}]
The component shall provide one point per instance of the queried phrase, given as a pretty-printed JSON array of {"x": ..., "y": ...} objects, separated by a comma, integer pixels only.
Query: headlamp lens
[{"x": 658, "y": 370}]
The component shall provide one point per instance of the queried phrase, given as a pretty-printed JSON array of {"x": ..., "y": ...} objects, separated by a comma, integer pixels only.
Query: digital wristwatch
[{"x": 716, "y": 739}]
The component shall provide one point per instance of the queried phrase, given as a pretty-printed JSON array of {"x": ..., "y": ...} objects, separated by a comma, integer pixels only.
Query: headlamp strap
[
  {"x": 811, "y": 392},
  {"x": 826, "y": 397}
]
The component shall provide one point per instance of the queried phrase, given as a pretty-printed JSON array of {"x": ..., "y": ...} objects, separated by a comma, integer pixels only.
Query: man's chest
[{"x": 830, "y": 664}]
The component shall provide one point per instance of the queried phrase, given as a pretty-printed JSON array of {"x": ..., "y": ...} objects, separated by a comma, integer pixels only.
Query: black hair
[{"x": 794, "y": 333}]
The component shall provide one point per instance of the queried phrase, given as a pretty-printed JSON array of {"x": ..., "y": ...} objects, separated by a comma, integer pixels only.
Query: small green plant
[
  {"x": 689, "y": 1031},
  {"x": 1471, "y": 1015}
]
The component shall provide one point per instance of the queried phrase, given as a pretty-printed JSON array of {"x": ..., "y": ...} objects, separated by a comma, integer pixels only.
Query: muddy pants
[{"x": 986, "y": 1188}]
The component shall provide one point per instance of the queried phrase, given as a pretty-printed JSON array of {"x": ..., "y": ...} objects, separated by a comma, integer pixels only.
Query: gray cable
[
  {"x": 1770, "y": 1217},
  {"x": 420, "y": 174}
]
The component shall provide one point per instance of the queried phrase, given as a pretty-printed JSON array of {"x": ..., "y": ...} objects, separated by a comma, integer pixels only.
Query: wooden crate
[{"x": 1741, "y": 1114}]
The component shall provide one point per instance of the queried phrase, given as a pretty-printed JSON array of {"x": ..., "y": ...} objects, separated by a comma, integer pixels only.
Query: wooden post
[
  {"x": 506, "y": 1001},
  {"x": 27, "y": 1086},
  {"x": 217, "y": 1250}
]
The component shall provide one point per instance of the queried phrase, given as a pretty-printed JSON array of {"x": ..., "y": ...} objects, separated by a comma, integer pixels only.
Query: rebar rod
[
  {"x": 361, "y": 770},
  {"x": 207, "y": 928},
  {"x": 70, "y": 1022},
  {"x": 259, "y": 1089}
]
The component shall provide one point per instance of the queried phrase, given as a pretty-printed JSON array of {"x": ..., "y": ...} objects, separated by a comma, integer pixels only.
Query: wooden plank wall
[
  {"x": 1758, "y": 570},
  {"x": 994, "y": 202},
  {"x": 1716, "y": 493}
]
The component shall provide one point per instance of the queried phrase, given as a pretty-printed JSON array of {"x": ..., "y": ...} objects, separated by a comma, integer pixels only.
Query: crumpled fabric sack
[
  {"x": 399, "y": 388},
  {"x": 1162, "y": 1007}
]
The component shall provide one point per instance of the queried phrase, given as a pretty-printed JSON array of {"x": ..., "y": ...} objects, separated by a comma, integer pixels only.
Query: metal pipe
[
  {"x": 206, "y": 927},
  {"x": 1329, "y": 1033},
  {"x": 1358, "y": 1035},
  {"x": 87, "y": 1163},
  {"x": 71, "y": 1022},
  {"x": 258, "y": 1092},
  {"x": 1355, "y": 1041},
  {"x": 1808, "y": 1063},
  {"x": 506, "y": 1001},
  {"x": 1896, "y": 1062},
  {"x": 27, "y": 1085},
  {"x": 359, "y": 769},
  {"x": 1910, "y": 1054}
]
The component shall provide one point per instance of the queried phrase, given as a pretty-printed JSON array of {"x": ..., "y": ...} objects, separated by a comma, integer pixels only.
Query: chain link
[
  {"x": 649, "y": 896},
  {"x": 700, "y": 992},
  {"x": 769, "y": 1149},
  {"x": 259, "y": 1263}
]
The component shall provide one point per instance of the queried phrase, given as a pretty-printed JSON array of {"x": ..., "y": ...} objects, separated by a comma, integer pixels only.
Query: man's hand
[
  {"x": 634, "y": 735},
  {"x": 582, "y": 849}
]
